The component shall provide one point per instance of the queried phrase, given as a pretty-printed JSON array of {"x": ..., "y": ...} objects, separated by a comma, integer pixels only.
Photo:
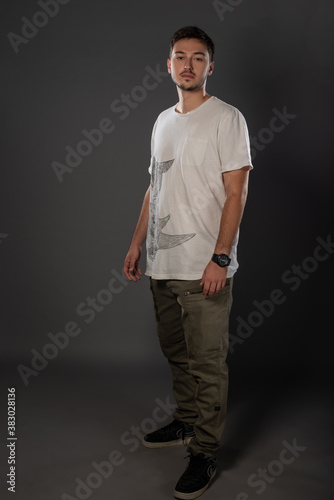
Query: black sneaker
[
  {"x": 196, "y": 479},
  {"x": 172, "y": 434}
]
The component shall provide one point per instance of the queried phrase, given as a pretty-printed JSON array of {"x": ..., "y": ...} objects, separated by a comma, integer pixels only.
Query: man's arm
[
  {"x": 236, "y": 188},
  {"x": 131, "y": 263}
]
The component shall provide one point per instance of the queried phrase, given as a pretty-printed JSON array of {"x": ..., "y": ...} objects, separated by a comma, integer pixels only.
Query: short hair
[{"x": 192, "y": 32}]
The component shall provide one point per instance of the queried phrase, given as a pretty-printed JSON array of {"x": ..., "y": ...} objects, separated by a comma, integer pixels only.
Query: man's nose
[{"x": 188, "y": 63}]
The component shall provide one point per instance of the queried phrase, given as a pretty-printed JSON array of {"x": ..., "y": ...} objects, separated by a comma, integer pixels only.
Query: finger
[
  {"x": 132, "y": 273},
  {"x": 213, "y": 288},
  {"x": 135, "y": 274},
  {"x": 129, "y": 271},
  {"x": 206, "y": 288},
  {"x": 126, "y": 270},
  {"x": 129, "y": 275},
  {"x": 138, "y": 269},
  {"x": 221, "y": 285}
]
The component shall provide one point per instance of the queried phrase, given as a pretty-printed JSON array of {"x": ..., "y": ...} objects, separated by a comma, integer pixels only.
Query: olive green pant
[{"x": 193, "y": 335}]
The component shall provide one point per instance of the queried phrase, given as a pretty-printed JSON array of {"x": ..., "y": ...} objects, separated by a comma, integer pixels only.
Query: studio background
[{"x": 65, "y": 230}]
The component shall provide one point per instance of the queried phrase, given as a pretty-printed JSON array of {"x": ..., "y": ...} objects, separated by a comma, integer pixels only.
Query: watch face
[{"x": 223, "y": 260}]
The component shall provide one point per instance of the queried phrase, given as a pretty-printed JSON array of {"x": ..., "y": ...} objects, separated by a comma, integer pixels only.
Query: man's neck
[{"x": 190, "y": 99}]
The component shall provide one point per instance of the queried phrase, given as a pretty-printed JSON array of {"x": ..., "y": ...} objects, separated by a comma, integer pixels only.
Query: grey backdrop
[{"x": 60, "y": 242}]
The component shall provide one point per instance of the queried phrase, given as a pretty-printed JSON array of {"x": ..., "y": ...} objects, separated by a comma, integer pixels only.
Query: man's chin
[{"x": 187, "y": 88}]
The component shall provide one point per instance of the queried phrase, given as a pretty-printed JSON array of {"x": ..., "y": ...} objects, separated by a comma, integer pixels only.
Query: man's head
[
  {"x": 190, "y": 58},
  {"x": 192, "y": 32}
]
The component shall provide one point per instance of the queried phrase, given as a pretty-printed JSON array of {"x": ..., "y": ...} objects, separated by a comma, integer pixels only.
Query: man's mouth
[{"x": 187, "y": 75}]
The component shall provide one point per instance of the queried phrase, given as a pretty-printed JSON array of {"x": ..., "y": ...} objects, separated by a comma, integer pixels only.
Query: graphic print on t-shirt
[{"x": 157, "y": 240}]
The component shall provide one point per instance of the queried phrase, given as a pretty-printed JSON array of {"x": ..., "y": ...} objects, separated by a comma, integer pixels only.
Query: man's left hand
[{"x": 213, "y": 279}]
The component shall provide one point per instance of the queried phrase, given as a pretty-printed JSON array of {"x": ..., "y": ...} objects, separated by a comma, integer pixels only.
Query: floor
[{"x": 79, "y": 431}]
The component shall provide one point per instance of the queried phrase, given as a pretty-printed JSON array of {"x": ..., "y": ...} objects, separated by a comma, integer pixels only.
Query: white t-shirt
[{"x": 189, "y": 153}]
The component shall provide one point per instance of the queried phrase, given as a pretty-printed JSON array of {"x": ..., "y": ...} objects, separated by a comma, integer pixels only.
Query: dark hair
[{"x": 192, "y": 32}]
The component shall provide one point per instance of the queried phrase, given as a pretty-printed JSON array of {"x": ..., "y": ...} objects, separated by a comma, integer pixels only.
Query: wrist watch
[{"x": 222, "y": 259}]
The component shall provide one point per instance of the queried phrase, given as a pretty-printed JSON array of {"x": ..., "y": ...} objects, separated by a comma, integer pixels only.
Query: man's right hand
[{"x": 131, "y": 263}]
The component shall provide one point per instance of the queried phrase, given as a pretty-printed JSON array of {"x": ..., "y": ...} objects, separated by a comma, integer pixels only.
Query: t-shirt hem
[
  {"x": 178, "y": 276},
  {"x": 238, "y": 166}
]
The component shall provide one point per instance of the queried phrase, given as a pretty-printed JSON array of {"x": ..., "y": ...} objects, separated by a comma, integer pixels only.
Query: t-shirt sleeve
[
  {"x": 233, "y": 142},
  {"x": 152, "y": 146}
]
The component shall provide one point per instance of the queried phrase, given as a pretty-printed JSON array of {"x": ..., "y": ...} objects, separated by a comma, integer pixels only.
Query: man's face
[{"x": 189, "y": 64}]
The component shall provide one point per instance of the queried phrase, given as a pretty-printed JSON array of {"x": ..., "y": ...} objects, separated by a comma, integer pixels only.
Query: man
[{"x": 190, "y": 216}]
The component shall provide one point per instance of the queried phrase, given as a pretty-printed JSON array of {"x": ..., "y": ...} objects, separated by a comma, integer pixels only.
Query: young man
[{"x": 190, "y": 217}]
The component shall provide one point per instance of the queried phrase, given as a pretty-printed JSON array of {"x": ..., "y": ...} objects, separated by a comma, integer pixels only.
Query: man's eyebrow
[{"x": 182, "y": 52}]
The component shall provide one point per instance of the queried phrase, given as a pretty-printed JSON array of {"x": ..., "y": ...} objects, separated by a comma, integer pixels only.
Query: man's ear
[
  {"x": 168, "y": 65},
  {"x": 212, "y": 65}
]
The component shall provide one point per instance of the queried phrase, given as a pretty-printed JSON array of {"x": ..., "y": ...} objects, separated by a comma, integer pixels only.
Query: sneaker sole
[
  {"x": 167, "y": 444},
  {"x": 195, "y": 494}
]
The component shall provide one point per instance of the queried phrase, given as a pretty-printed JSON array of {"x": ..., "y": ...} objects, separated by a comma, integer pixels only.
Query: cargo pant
[{"x": 193, "y": 335}]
